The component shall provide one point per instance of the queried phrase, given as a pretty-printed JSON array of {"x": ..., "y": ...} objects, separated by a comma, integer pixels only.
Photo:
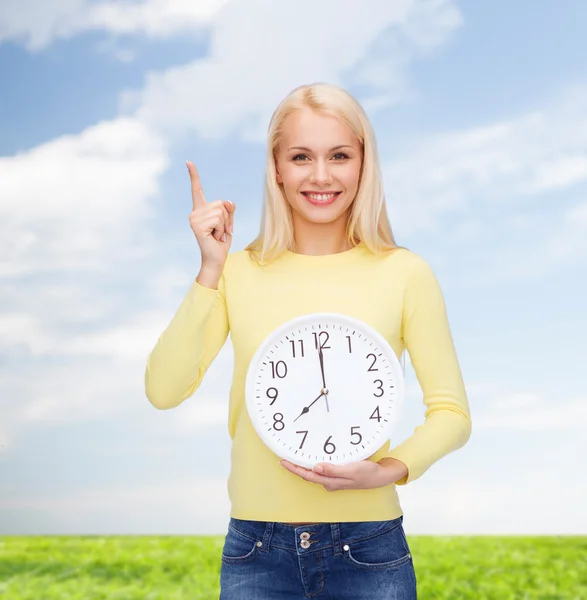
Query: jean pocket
[
  {"x": 387, "y": 550},
  {"x": 238, "y": 548}
]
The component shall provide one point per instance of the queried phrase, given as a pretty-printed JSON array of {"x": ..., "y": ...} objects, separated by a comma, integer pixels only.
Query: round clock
[{"x": 324, "y": 387}]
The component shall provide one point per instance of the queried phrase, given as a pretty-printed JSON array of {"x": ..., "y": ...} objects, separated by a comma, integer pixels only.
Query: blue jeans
[{"x": 264, "y": 560}]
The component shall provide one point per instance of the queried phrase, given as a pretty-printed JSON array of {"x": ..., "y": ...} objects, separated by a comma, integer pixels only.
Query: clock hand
[
  {"x": 321, "y": 357},
  {"x": 307, "y": 408}
]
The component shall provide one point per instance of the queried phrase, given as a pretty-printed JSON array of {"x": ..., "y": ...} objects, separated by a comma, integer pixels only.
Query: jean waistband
[{"x": 310, "y": 538}]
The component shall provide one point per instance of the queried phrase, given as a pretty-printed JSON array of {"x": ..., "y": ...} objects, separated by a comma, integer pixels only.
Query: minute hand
[
  {"x": 321, "y": 356},
  {"x": 325, "y": 389}
]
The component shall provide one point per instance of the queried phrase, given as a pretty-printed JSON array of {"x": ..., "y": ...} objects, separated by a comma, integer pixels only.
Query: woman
[{"x": 325, "y": 245}]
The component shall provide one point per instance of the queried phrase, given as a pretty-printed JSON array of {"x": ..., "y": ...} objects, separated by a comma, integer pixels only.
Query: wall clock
[{"x": 324, "y": 387}]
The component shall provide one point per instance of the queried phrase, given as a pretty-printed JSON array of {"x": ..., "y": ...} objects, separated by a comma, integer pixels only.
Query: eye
[{"x": 340, "y": 154}]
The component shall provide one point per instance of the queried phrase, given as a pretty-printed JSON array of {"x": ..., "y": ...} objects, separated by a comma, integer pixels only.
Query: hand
[
  {"x": 364, "y": 474},
  {"x": 307, "y": 408},
  {"x": 212, "y": 223},
  {"x": 321, "y": 357}
]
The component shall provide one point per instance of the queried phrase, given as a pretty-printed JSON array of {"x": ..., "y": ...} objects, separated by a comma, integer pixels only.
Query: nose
[{"x": 320, "y": 174}]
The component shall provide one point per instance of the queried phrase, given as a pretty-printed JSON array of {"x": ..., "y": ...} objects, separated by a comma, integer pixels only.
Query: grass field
[{"x": 182, "y": 568}]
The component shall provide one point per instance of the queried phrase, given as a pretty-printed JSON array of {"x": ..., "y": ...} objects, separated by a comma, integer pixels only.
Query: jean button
[
  {"x": 305, "y": 536},
  {"x": 305, "y": 544}
]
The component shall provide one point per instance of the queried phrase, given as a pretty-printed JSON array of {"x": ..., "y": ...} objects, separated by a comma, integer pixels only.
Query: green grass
[{"x": 182, "y": 568}]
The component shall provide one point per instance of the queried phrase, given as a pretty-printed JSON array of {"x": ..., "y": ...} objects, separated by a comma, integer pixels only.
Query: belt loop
[
  {"x": 267, "y": 536},
  {"x": 336, "y": 538}
]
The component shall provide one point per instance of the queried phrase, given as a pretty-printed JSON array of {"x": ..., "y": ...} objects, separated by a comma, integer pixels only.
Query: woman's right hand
[{"x": 212, "y": 223}]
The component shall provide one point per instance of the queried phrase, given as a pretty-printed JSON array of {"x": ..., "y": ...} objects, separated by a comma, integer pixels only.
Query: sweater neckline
[{"x": 337, "y": 256}]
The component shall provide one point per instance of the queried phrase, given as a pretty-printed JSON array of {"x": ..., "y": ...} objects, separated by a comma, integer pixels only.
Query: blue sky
[{"x": 480, "y": 111}]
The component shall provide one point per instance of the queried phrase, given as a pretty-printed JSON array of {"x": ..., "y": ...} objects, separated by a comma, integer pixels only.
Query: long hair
[{"x": 367, "y": 221}]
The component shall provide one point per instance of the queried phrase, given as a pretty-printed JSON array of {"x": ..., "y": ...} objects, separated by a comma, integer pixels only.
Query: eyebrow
[{"x": 308, "y": 149}]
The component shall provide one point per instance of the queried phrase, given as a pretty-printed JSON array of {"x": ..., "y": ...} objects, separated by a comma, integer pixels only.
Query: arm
[
  {"x": 428, "y": 339},
  {"x": 191, "y": 341}
]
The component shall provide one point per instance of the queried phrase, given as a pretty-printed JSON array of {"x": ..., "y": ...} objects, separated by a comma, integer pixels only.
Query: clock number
[
  {"x": 273, "y": 398},
  {"x": 293, "y": 347},
  {"x": 348, "y": 337},
  {"x": 376, "y": 414},
  {"x": 374, "y": 361},
  {"x": 305, "y": 434},
  {"x": 275, "y": 369},
  {"x": 356, "y": 433},
  {"x": 379, "y": 387},
  {"x": 329, "y": 443},
  {"x": 277, "y": 418},
  {"x": 322, "y": 335}
]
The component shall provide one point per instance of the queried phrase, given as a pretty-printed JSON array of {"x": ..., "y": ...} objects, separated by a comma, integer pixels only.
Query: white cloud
[
  {"x": 257, "y": 55},
  {"x": 458, "y": 172},
  {"x": 79, "y": 201},
  {"x": 165, "y": 507},
  {"x": 37, "y": 23},
  {"x": 526, "y": 411}
]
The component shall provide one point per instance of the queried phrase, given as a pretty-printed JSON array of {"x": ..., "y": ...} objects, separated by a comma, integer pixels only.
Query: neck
[{"x": 320, "y": 238}]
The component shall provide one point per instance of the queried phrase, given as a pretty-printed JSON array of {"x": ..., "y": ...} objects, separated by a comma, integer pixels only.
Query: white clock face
[{"x": 343, "y": 417}]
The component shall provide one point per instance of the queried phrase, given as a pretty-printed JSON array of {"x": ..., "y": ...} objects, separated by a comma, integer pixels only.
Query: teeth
[{"x": 321, "y": 197}]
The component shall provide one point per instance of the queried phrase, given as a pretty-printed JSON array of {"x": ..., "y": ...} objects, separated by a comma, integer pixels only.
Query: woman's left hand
[{"x": 361, "y": 475}]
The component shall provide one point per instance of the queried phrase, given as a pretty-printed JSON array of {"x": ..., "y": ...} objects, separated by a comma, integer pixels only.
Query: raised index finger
[{"x": 198, "y": 199}]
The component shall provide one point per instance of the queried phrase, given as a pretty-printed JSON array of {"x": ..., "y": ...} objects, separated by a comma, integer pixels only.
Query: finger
[
  {"x": 198, "y": 199},
  {"x": 306, "y": 474},
  {"x": 219, "y": 217},
  {"x": 214, "y": 226},
  {"x": 340, "y": 471},
  {"x": 230, "y": 208}
]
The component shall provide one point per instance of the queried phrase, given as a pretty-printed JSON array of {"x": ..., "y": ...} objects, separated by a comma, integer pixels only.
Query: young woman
[{"x": 325, "y": 245}]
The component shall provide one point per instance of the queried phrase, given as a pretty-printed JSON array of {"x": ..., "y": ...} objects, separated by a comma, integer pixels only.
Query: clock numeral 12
[{"x": 319, "y": 337}]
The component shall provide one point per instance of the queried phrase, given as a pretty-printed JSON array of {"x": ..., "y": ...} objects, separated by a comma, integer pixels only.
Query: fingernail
[
  {"x": 224, "y": 237},
  {"x": 318, "y": 469}
]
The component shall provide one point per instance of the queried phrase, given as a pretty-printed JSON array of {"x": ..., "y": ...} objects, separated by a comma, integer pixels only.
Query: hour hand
[{"x": 306, "y": 409}]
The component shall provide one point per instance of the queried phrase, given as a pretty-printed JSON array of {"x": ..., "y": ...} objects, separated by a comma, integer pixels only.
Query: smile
[{"x": 321, "y": 199}]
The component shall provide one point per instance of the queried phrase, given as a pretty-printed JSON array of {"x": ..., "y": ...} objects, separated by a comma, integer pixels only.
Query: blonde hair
[{"x": 368, "y": 221}]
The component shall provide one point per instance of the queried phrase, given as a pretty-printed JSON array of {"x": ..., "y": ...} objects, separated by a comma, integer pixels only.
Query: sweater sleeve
[
  {"x": 428, "y": 340},
  {"x": 178, "y": 362}
]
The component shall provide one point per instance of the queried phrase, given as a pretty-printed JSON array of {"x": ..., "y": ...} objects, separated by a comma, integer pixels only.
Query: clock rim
[{"x": 267, "y": 342}]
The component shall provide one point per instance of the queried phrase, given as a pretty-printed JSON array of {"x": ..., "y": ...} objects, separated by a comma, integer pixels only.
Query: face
[{"x": 318, "y": 154}]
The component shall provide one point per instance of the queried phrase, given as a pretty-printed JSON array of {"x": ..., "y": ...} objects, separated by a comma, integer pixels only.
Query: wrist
[
  {"x": 209, "y": 276},
  {"x": 396, "y": 468}
]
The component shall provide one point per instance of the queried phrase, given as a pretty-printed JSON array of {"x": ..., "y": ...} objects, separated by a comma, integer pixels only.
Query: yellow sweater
[{"x": 397, "y": 294}]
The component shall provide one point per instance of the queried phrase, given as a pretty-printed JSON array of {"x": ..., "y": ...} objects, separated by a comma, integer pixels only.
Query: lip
[{"x": 318, "y": 202}]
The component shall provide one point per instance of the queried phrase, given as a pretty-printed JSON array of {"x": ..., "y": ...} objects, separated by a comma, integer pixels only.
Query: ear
[{"x": 277, "y": 175}]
